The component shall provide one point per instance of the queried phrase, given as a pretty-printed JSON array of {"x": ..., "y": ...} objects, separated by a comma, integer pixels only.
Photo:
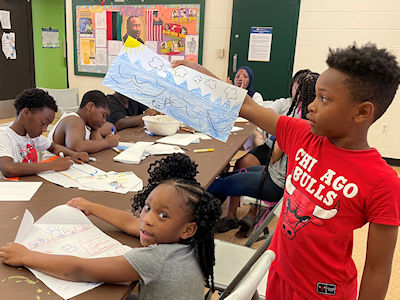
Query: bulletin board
[{"x": 173, "y": 29}]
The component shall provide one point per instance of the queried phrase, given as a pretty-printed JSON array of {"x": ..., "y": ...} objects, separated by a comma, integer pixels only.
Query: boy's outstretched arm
[
  {"x": 108, "y": 269},
  {"x": 123, "y": 220},
  {"x": 264, "y": 118},
  {"x": 378, "y": 262}
]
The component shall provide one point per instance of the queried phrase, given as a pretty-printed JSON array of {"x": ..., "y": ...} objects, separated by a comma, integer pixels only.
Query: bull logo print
[{"x": 300, "y": 211}]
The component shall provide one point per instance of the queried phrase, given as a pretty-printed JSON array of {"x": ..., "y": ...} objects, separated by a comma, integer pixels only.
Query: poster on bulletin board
[{"x": 170, "y": 28}]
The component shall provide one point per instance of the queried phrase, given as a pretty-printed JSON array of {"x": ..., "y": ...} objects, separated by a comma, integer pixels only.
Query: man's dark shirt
[{"x": 118, "y": 111}]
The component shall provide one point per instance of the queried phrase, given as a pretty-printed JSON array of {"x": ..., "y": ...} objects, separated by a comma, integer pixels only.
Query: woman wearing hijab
[{"x": 244, "y": 79}]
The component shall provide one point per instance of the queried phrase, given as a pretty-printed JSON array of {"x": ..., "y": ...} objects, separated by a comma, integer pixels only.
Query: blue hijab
[{"x": 250, "y": 90}]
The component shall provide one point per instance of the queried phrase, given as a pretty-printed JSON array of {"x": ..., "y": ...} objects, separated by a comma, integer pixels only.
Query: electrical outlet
[{"x": 385, "y": 128}]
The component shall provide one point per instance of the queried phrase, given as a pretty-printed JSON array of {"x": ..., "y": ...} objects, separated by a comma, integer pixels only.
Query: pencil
[{"x": 204, "y": 150}]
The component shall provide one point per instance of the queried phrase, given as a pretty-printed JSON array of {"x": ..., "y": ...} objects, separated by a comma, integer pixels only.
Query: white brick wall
[{"x": 322, "y": 24}]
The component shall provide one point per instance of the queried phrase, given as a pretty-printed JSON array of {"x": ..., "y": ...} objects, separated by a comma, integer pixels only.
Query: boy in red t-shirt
[{"x": 336, "y": 182}]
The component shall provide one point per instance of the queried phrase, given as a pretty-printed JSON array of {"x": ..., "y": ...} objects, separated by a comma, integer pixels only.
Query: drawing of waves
[{"x": 190, "y": 107}]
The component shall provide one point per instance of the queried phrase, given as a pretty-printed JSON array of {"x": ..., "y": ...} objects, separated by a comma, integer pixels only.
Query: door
[
  {"x": 272, "y": 78},
  {"x": 17, "y": 74},
  {"x": 50, "y": 14}
]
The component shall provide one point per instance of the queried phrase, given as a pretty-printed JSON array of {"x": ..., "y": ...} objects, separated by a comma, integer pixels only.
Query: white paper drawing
[
  {"x": 101, "y": 38},
  {"x": 207, "y": 104},
  {"x": 100, "y": 19},
  {"x": 77, "y": 177},
  {"x": 65, "y": 230},
  {"x": 8, "y": 45}
]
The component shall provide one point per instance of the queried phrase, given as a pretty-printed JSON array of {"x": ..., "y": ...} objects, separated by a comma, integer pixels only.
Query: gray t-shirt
[{"x": 168, "y": 271}]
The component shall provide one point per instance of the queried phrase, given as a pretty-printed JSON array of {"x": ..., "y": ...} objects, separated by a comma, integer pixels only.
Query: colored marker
[
  {"x": 61, "y": 154},
  {"x": 187, "y": 129},
  {"x": 149, "y": 133},
  {"x": 204, "y": 150},
  {"x": 92, "y": 159},
  {"x": 116, "y": 150},
  {"x": 112, "y": 130}
]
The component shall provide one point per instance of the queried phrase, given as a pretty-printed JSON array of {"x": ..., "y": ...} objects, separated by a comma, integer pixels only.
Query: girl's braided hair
[
  {"x": 305, "y": 93},
  {"x": 179, "y": 171}
]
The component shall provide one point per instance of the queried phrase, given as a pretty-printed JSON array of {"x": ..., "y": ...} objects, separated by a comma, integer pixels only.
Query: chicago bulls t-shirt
[
  {"x": 329, "y": 193},
  {"x": 21, "y": 148}
]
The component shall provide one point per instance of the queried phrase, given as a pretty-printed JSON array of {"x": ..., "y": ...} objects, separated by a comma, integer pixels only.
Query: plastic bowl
[{"x": 161, "y": 124}]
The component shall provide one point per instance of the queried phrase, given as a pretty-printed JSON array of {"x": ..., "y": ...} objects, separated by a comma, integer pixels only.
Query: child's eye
[
  {"x": 323, "y": 99},
  {"x": 163, "y": 215},
  {"x": 146, "y": 207}
]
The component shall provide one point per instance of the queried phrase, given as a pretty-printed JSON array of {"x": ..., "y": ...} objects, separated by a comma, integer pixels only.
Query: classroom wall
[
  {"x": 50, "y": 64},
  {"x": 322, "y": 24},
  {"x": 217, "y": 28}
]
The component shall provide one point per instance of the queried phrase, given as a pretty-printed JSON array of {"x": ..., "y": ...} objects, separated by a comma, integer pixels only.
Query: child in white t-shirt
[{"x": 22, "y": 142}]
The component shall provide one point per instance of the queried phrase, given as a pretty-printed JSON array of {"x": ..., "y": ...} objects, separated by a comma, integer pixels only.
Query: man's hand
[{"x": 13, "y": 254}]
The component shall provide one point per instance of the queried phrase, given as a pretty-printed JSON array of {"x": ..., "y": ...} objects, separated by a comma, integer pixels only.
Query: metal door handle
[{"x": 234, "y": 64}]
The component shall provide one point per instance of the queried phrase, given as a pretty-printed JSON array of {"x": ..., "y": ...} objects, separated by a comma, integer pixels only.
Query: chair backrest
[
  {"x": 249, "y": 283},
  {"x": 65, "y": 97}
]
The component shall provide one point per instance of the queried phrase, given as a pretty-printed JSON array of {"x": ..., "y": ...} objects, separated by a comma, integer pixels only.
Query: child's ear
[
  {"x": 365, "y": 111},
  {"x": 90, "y": 106},
  {"x": 189, "y": 230},
  {"x": 25, "y": 112}
]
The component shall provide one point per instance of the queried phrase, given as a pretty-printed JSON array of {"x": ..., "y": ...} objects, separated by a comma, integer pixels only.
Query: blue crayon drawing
[{"x": 199, "y": 101}]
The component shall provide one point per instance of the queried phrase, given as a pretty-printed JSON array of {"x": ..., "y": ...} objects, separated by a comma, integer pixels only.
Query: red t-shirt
[{"x": 329, "y": 192}]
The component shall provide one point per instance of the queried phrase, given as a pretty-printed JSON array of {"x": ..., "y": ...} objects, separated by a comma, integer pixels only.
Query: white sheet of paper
[
  {"x": 100, "y": 20},
  {"x": 101, "y": 57},
  {"x": 8, "y": 45},
  {"x": 241, "y": 120},
  {"x": 68, "y": 178},
  {"x": 101, "y": 38},
  {"x": 181, "y": 139},
  {"x": 65, "y": 230},
  {"x": 203, "y": 136},
  {"x": 18, "y": 191},
  {"x": 5, "y": 19},
  {"x": 122, "y": 182},
  {"x": 134, "y": 154},
  {"x": 161, "y": 149},
  {"x": 114, "y": 47},
  {"x": 235, "y": 128}
]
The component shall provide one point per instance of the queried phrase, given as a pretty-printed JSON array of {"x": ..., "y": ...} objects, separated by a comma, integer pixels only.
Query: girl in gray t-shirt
[{"x": 175, "y": 227}]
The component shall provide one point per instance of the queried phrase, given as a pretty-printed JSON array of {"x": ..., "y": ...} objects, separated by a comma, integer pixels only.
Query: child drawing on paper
[
  {"x": 22, "y": 142},
  {"x": 175, "y": 227}
]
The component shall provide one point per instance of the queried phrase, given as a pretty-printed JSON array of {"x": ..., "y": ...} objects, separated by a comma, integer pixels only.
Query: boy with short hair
[
  {"x": 335, "y": 182},
  {"x": 22, "y": 142},
  {"x": 86, "y": 129}
]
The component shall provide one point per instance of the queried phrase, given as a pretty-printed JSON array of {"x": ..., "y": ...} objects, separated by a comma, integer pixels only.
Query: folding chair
[
  {"x": 265, "y": 220},
  {"x": 232, "y": 259},
  {"x": 67, "y": 99}
]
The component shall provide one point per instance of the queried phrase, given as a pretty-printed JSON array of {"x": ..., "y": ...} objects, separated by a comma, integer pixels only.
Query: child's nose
[
  {"x": 148, "y": 218},
  {"x": 311, "y": 106}
]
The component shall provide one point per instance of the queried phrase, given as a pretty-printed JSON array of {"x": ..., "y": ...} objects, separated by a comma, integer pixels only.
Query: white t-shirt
[
  {"x": 21, "y": 148},
  {"x": 51, "y": 133}
]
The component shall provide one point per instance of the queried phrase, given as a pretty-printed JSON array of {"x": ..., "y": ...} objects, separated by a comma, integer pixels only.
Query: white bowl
[{"x": 161, "y": 124}]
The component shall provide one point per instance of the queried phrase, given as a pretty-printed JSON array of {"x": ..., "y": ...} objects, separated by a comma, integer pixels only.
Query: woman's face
[{"x": 242, "y": 79}]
